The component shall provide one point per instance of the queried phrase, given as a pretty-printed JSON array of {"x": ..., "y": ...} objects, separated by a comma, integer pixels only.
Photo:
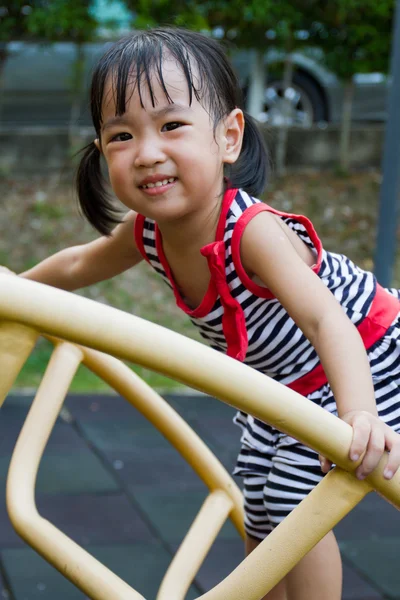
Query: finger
[
  {"x": 393, "y": 462},
  {"x": 361, "y": 434},
  {"x": 375, "y": 450},
  {"x": 325, "y": 464}
]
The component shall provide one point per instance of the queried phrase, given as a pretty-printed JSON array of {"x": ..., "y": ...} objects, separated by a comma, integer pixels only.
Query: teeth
[{"x": 159, "y": 183}]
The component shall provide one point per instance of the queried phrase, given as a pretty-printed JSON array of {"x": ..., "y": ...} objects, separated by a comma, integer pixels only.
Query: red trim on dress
[
  {"x": 239, "y": 228},
  {"x": 209, "y": 297},
  {"x": 229, "y": 197},
  {"x": 383, "y": 311},
  {"x": 138, "y": 235},
  {"x": 211, "y": 294},
  {"x": 233, "y": 318}
]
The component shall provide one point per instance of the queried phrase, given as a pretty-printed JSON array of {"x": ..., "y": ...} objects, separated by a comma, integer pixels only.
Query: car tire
[{"x": 308, "y": 101}]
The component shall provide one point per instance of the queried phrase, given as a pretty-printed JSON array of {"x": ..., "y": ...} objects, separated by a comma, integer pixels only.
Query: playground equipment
[{"x": 86, "y": 332}]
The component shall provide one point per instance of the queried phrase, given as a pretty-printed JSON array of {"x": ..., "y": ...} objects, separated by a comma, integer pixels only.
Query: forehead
[{"x": 152, "y": 86}]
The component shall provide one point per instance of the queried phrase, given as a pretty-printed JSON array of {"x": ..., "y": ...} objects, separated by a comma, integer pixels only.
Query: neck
[{"x": 192, "y": 231}]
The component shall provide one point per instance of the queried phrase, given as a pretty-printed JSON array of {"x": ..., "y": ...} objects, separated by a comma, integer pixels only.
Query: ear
[
  {"x": 233, "y": 135},
  {"x": 97, "y": 144}
]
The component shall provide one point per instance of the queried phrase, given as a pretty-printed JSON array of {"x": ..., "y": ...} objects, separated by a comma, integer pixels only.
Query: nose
[{"x": 149, "y": 152}]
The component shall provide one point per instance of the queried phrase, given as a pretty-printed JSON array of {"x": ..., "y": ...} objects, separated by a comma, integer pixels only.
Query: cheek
[{"x": 118, "y": 171}]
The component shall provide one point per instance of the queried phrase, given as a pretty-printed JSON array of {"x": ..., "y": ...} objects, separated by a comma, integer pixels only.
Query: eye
[
  {"x": 121, "y": 137},
  {"x": 171, "y": 126}
]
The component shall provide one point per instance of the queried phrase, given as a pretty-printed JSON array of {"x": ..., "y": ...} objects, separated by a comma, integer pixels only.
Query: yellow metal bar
[
  {"x": 82, "y": 321},
  {"x": 16, "y": 344},
  {"x": 86, "y": 322},
  {"x": 302, "y": 529},
  {"x": 170, "y": 424},
  {"x": 77, "y": 565},
  {"x": 195, "y": 547}
]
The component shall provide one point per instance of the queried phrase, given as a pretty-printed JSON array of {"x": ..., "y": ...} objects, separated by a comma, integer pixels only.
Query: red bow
[{"x": 233, "y": 319}]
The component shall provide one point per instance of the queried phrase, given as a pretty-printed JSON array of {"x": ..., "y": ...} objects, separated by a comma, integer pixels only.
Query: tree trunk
[
  {"x": 345, "y": 128},
  {"x": 76, "y": 95},
  {"x": 3, "y": 60},
  {"x": 258, "y": 81},
  {"x": 282, "y": 137}
]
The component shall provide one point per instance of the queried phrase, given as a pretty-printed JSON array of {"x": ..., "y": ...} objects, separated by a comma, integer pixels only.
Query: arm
[
  {"x": 79, "y": 266},
  {"x": 267, "y": 251}
]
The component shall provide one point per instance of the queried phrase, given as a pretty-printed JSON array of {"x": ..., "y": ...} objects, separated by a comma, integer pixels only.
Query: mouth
[{"x": 158, "y": 184}]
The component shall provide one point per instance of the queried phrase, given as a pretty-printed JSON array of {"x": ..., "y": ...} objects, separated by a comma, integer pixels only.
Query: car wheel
[{"x": 305, "y": 103}]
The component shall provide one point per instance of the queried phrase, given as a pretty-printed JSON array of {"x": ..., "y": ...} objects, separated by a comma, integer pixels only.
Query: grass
[
  {"x": 39, "y": 217},
  {"x": 84, "y": 380}
]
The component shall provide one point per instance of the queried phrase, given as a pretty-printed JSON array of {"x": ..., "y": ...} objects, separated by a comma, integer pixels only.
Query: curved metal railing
[{"x": 90, "y": 330}]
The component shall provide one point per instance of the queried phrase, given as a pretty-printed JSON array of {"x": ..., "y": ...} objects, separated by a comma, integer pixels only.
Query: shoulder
[
  {"x": 262, "y": 230},
  {"x": 268, "y": 239},
  {"x": 122, "y": 237},
  {"x": 273, "y": 254}
]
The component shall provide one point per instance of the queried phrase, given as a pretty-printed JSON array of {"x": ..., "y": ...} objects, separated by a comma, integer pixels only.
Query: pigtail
[
  {"x": 94, "y": 200},
  {"x": 250, "y": 172}
]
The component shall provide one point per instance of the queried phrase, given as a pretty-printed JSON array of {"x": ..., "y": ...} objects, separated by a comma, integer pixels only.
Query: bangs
[{"x": 135, "y": 60}]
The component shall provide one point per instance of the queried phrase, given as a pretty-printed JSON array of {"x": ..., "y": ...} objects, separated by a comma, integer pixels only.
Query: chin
[{"x": 166, "y": 212}]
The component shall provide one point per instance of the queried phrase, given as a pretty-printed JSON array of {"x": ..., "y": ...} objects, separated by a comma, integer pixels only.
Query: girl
[{"x": 186, "y": 162}]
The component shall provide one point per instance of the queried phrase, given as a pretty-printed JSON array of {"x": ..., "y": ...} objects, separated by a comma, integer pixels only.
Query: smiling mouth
[{"x": 149, "y": 186}]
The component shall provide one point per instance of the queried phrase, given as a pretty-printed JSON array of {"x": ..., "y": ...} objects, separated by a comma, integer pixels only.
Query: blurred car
[
  {"x": 36, "y": 87},
  {"x": 316, "y": 94}
]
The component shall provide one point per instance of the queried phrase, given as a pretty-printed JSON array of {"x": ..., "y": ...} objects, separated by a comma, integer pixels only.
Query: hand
[{"x": 371, "y": 438}]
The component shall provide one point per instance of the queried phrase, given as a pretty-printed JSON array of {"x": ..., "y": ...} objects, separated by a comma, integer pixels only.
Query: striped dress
[{"x": 243, "y": 319}]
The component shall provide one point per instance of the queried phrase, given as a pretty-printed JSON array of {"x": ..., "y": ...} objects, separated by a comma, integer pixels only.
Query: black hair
[{"x": 131, "y": 62}]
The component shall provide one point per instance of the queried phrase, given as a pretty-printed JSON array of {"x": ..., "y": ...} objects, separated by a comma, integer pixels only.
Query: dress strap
[
  {"x": 138, "y": 234},
  {"x": 241, "y": 224},
  {"x": 233, "y": 319}
]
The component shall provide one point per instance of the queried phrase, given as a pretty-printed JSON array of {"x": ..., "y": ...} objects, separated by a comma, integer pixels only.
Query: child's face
[{"x": 166, "y": 161}]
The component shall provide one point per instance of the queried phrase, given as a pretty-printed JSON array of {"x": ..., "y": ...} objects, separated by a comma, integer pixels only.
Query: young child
[{"x": 186, "y": 162}]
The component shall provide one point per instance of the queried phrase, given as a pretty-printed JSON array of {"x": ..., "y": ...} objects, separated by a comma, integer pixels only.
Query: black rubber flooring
[{"x": 113, "y": 484}]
